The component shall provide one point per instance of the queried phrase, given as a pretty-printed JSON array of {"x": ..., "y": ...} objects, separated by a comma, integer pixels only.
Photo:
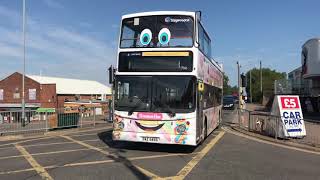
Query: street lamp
[{"x": 24, "y": 61}]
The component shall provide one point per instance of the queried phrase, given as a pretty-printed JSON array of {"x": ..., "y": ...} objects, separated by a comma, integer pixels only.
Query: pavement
[{"x": 91, "y": 154}]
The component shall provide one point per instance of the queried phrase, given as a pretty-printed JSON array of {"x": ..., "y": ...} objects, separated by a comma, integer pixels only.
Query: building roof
[{"x": 73, "y": 86}]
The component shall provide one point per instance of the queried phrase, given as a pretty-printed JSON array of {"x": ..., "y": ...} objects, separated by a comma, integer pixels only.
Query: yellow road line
[
  {"x": 98, "y": 162},
  {"x": 49, "y": 144},
  {"x": 79, "y": 135},
  {"x": 270, "y": 143},
  {"x": 36, "y": 166},
  {"x": 17, "y": 171},
  {"x": 195, "y": 160},
  {"x": 49, "y": 136},
  {"x": 111, "y": 160},
  {"x": 47, "y": 153},
  {"x": 144, "y": 171}
]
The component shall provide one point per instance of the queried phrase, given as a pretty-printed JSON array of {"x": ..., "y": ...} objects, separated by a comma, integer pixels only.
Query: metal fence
[
  {"x": 270, "y": 125},
  {"x": 11, "y": 122}
]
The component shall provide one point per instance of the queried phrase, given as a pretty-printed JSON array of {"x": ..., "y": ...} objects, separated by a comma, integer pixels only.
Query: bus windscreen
[{"x": 173, "y": 30}]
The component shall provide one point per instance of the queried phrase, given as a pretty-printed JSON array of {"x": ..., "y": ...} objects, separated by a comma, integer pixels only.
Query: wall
[
  {"x": 48, "y": 96},
  {"x": 45, "y": 94},
  {"x": 13, "y": 84}
]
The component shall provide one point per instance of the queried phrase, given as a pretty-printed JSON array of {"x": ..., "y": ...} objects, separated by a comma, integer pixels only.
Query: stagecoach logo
[{"x": 169, "y": 19}]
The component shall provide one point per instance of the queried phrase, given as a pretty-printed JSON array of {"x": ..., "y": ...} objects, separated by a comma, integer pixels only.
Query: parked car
[{"x": 228, "y": 102}]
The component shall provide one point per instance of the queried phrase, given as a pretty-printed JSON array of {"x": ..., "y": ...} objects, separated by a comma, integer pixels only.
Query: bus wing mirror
[{"x": 111, "y": 74}]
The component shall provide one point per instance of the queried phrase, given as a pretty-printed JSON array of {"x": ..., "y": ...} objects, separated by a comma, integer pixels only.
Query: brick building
[{"x": 48, "y": 92}]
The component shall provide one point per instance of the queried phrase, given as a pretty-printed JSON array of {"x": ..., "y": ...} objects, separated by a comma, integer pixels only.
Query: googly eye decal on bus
[
  {"x": 164, "y": 36},
  {"x": 145, "y": 37}
]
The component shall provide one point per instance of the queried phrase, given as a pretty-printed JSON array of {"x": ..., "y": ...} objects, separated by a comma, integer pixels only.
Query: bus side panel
[
  {"x": 213, "y": 116},
  {"x": 200, "y": 118}
]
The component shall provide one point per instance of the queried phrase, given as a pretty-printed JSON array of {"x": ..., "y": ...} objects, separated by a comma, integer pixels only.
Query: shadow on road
[{"x": 121, "y": 146}]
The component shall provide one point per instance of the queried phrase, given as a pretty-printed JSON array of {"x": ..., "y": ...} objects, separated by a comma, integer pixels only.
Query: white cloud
[
  {"x": 85, "y": 24},
  {"x": 9, "y": 51},
  {"x": 56, "y": 50},
  {"x": 53, "y": 4}
]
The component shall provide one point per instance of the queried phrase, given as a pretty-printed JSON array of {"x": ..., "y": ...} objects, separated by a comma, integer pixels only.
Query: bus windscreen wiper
[
  {"x": 171, "y": 113},
  {"x": 135, "y": 106}
]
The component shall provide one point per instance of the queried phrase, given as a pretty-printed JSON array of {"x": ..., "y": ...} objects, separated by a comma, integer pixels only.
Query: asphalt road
[{"x": 91, "y": 154}]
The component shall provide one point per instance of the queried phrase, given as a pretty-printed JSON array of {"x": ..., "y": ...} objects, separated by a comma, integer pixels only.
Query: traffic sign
[{"x": 291, "y": 116}]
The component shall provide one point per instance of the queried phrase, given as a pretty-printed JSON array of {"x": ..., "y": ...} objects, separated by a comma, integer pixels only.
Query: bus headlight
[
  {"x": 118, "y": 126},
  {"x": 121, "y": 125},
  {"x": 181, "y": 128}
]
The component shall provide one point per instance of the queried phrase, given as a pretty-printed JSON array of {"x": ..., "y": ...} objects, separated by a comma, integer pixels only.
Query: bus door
[{"x": 200, "y": 91}]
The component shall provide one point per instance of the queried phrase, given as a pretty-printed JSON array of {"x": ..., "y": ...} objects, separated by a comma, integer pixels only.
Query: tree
[
  {"x": 268, "y": 78},
  {"x": 227, "y": 89}
]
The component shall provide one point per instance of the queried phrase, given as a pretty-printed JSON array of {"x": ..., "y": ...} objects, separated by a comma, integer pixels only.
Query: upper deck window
[{"x": 157, "y": 31}]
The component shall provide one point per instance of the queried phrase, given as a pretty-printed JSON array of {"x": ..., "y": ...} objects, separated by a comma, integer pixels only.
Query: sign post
[{"x": 291, "y": 116}]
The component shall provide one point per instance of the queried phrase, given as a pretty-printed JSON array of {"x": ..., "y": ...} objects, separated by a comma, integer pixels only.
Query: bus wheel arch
[
  {"x": 205, "y": 128},
  {"x": 220, "y": 119}
]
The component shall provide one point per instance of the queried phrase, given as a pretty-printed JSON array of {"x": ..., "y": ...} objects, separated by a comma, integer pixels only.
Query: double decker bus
[{"x": 167, "y": 88}]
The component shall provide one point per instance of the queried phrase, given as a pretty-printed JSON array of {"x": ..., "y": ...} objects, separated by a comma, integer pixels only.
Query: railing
[
  {"x": 269, "y": 125},
  {"x": 11, "y": 122}
]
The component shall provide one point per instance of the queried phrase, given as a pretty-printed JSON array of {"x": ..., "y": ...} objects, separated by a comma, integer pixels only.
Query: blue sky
[{"x": 78, "y": 38}]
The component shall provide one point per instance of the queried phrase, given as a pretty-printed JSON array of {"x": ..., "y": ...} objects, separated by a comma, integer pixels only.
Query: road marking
[
  {"x": 97, "y": 162},
  {"x": 17, "y": 171},
  {"x": 36, "y": 166},
  {"x": 49, "y": 144},
  {"x": 48, "y": 136},
  {"x": 47, "y": 153},
  {"x": 79, "y": 135},
  {"x": 195, "y": 160},
  {"x": 126, "y": 162},
  {"x": 270, "y": 143}
]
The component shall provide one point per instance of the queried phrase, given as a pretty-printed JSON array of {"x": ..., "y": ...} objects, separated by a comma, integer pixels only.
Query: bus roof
[
  {"x": 187, "y": 13},
  {"x": 217, "y": 65}
]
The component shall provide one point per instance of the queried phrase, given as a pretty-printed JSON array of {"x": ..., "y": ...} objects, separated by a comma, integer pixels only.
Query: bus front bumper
[{"x": 183, "y": 139}]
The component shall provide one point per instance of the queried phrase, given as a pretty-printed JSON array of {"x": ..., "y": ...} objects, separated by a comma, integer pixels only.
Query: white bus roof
[
  {"x": 219, "y": 66},
  {"x": 151, "y": 13}
]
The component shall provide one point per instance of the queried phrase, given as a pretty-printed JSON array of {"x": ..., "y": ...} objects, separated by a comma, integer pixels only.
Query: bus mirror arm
[
  {"x": 111, "y": 74},
  {"x": 198, "y": 16}
]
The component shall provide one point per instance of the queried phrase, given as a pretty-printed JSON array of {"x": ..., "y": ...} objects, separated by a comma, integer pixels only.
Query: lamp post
[
  {"x": 239, "y": 84},
  {"x": 250, "y": 87},
  {"x": 24, "y": 61}
]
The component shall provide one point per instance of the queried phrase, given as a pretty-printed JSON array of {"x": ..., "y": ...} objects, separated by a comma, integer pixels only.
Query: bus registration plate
[{"x": 150, "y": 139}]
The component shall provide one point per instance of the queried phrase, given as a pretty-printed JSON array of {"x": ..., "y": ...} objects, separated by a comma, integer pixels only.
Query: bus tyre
[
  {"x": 205, "y": 133},
  {"x": 219, "y": 120}
]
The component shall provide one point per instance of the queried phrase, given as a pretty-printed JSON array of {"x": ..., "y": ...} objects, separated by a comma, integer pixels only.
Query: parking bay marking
[
  {"x": 51, "y": 152},
  {"x": 49, "y": 136},
  {"x": 143, "y": 171},
  {"x": 196, "y": 159},
  {"x": 98, "y": 162},
  {"x": 182, "y": 173},
  {"x": 36, "y": 166},
  {"x": 49, "y": 144}
]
